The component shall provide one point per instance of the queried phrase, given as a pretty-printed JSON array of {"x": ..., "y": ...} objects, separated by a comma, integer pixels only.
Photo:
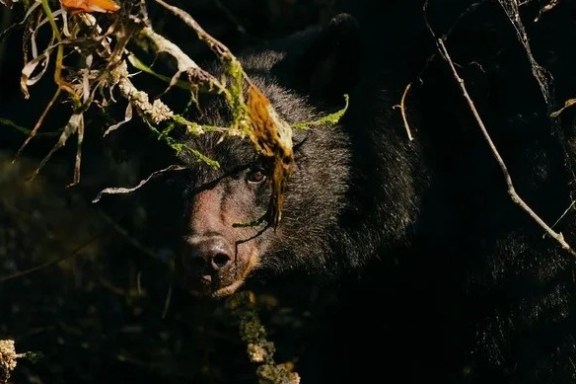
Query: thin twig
[
  {"x": 459, "y": 19},
  {"x": 50, "y": 263},
  {"x": 167, "y": 302},
  {"x": 39, "y": 122},
  {"x": 543, "y": 77},
  {"x": 511, "y": 190},
  {"x": 217, "y": 47},
  {"x": 402, "y": 107},
  {"x": 570, "y": 207},
  {"x": 127, "y": 236}
]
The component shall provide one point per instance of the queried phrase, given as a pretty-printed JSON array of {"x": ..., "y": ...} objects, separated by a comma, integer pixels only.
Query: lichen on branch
[
  {"x": 260, "y": 350},
  {"x": 8, "y": 359}
]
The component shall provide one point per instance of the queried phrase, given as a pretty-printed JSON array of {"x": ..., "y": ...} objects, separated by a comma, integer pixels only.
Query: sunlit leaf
[
  {"x": 174, "y": 81},
  {"x": 89, "y": 6},
  {"x": 330, "y": 119},
  {"x": 272, "y": 136}
]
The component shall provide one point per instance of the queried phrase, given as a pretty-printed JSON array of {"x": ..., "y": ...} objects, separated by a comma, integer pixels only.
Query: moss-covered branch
[{"x": 260, "y": 349}]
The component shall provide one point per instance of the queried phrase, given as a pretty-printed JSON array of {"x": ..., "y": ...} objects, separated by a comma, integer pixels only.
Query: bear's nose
[{"x": 208, "y": 255}]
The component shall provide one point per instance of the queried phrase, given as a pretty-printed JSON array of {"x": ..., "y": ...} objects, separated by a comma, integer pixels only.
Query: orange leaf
[
  {"x": 273, "y": 137},
  {"x": 89, "y": 6}
]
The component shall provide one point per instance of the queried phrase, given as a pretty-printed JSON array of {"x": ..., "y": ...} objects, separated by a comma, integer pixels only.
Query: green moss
[{"x": 330, "y": 119}]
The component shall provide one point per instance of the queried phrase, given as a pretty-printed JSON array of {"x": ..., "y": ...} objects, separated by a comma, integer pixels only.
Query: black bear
[
  {"x": 354, "y": 190},
  {"x": 475, "y": 295}
]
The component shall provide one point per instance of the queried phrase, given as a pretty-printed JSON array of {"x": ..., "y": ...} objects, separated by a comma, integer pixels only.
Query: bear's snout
[
  {"x": 208, "y": 256},
  {"x": 214, "y": 265}
]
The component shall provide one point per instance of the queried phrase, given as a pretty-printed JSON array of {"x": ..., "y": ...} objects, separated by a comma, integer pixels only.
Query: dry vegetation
[{"x": 77, "y": 280}]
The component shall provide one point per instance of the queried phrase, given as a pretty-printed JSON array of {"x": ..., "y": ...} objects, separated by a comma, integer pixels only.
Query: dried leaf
[
  {"x": 546, "y": 8},
  {"x": 567, "y": 103},
  {"x": 75, "y": 124},
  {"x": 272, "y": 136},
  {"x": 38, "y": 27},
  {"x": 86, "y": 80},
  {"x": 80, "y": 132},
  {"x": 127, "y": 118},
  {"x": 8, "y": 3},
  {"x": 89, "y": 6},
  {"x": 26, "y": 79}
]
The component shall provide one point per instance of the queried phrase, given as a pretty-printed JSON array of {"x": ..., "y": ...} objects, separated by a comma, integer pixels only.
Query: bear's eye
[{"x": 256, "y": 175}]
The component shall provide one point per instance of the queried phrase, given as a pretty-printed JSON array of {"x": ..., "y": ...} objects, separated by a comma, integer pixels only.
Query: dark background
[{"x": 97, "y": 308}]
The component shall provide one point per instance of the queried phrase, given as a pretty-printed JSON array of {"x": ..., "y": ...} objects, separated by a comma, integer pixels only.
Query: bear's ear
[{"x": 324, "y": 62}]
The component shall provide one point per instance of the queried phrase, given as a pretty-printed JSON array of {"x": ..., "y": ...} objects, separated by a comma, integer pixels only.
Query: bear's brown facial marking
[{"x": 220, "y": 249}]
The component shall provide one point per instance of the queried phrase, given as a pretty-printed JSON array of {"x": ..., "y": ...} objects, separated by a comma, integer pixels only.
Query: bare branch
[
  {"x": 123, "y": 190},
  {"x": 217, "y": 47},
  {"x": 511, "y": 190},
  {"x": 184, "y": 62}
]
